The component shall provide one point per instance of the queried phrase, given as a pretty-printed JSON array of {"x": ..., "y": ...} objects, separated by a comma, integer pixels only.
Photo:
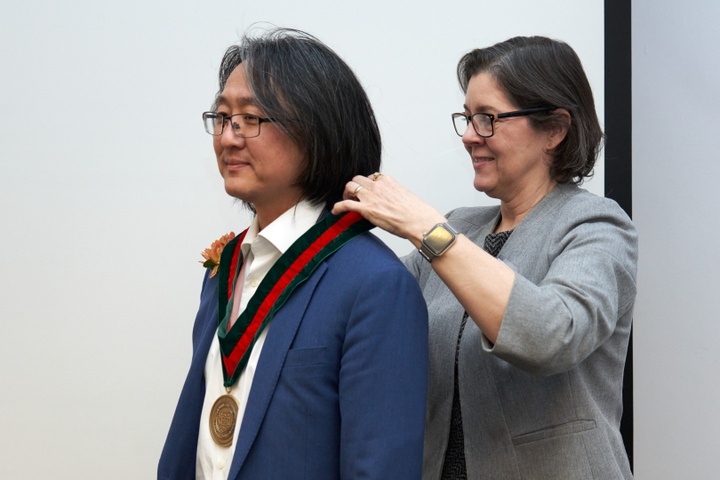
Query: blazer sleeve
[
  {"x": 177, "y": 460},
  {"x": 383, "y": 379},
  {"x": 571, "y": 289}
]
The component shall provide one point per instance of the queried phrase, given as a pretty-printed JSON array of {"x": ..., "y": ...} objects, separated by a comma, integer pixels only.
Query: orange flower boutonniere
[{"x": 212, "y": 254}]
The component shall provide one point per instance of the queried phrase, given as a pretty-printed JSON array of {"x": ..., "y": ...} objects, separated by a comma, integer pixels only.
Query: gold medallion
[{"x": 223, "y": 417}]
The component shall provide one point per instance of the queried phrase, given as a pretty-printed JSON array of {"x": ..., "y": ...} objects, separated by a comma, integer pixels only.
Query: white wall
[
  {"x": 109, "y": 190},
  {"x": 676, "y": 166}
]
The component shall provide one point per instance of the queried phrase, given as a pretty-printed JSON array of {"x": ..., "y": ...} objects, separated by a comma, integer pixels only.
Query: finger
[
  {"x": 350, "y": 188},
  {"x": 357, "y": 190},
  {"x": 355, "y": 186},
  {"x": 345, "y": 206}
]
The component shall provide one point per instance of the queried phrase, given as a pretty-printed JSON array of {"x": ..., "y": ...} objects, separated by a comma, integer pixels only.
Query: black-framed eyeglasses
[
  {"x": 484, "y": 123},
  {"x": 243, "y": 125}
]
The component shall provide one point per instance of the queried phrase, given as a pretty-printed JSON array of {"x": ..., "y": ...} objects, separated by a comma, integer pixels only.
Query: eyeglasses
[
  {"x": 243, "y": 125},
  {"x": 484, "y": 123}
]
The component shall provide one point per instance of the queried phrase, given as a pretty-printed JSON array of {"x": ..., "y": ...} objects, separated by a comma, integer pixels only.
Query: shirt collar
[{"x": 285, "y": 229}]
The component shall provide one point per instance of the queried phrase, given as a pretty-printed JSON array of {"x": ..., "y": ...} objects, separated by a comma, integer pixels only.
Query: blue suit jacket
[{"x": 341, "y": 383}]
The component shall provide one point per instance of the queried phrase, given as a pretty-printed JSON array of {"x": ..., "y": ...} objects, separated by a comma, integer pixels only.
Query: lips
[
  {"x": 481, "y": 160},
  {"x": 234, "y": 164}
]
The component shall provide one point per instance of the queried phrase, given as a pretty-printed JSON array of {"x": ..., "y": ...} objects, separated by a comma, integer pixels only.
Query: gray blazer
[{"x": 545, "y": 401}]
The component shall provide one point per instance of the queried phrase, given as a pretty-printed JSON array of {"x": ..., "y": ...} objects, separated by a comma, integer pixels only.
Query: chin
[
  {"x": 480, "y": 186},
  {"x": 487, "y": 190},
  {"x": 236, "y": 192}
]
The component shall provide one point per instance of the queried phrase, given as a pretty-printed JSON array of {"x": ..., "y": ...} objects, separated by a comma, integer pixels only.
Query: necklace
[
  {"x": 289, "y": 271},
  {"x": 223, "y": 417}
]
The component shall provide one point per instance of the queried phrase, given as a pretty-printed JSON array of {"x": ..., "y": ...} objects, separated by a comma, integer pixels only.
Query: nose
[
  {"x": 228, "y": 138},
  {"x": 471, "y": 137}
]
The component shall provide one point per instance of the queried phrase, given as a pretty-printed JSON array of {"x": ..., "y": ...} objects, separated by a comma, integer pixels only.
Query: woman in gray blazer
[{"x": 531, "y": 386}]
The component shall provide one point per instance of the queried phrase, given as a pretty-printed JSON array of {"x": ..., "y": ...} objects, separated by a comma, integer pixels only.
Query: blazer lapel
[
  {"x": 541, "y": 220},
  {"x": 280, "y": 336}
]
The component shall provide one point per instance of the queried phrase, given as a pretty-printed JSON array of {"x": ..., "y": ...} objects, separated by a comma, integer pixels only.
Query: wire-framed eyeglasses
[
  {"x": 243, "y": 125},
  {"x": 484, "y": 123}
]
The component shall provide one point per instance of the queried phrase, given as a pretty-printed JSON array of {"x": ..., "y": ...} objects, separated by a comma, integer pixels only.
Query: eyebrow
[
  {"x": 243, "y": 101},
  {"x": 481, "y": 108}
]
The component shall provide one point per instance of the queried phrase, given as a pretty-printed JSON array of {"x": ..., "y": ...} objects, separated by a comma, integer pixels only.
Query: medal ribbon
[{"x": 289, "y": 271}]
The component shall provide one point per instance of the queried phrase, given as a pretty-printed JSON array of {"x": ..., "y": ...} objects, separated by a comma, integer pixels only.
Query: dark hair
[
  {"x": 317, "y": 99},
  {"x": 537, "y": 72}
]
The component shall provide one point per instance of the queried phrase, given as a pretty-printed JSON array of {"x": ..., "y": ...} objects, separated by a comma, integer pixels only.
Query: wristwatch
[{"x": 437, "y": 241}]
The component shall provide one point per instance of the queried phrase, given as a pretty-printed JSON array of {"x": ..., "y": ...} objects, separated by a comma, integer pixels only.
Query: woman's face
[{"x": 512, "y": 163}]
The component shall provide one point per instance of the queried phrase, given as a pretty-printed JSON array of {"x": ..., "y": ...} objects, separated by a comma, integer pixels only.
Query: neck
[
  {"x": 267, "y": 215},
  {"x": 265, "y": 218},
  {"x": 514, "y": 210}
]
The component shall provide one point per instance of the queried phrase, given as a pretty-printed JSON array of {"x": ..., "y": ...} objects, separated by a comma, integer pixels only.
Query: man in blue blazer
[{"x": 310, "y": 344}]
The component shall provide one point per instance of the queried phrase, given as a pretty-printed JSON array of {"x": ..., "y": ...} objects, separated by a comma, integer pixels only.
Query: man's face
[{"x": 262, "y": 170}]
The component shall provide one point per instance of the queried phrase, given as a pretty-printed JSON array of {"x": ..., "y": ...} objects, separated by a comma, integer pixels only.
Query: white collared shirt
[{"x": 261, "y": 250}]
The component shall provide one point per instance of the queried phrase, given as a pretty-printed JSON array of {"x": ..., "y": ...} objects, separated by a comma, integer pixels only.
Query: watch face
[{"x": 439, "y": 239}]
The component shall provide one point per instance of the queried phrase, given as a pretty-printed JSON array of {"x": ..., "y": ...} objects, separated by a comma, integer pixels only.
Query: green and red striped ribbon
[{"x": 289, "y": 271}]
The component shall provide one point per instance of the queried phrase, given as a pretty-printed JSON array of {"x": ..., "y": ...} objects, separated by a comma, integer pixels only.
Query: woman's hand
[
  {"x": 483, "y": 289},
  {"x": 387, "y": 204}
]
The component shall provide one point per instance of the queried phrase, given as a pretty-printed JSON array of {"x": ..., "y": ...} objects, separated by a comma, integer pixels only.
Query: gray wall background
[{"x": 676, "y": 94}]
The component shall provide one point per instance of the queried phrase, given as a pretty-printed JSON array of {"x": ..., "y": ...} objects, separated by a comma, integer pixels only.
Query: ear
[{"x": 559, "y": 129}]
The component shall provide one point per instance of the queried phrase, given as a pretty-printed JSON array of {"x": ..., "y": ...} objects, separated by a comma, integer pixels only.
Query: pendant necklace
[{"x": 223, "y": 417}]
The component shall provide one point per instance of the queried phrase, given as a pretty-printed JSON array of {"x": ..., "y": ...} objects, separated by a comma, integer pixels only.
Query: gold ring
[
  {"x": 355, "y": 192},
  {"x": 376, "y": 175}
]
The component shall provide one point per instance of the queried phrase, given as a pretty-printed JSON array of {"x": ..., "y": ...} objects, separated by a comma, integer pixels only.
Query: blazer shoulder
[
  {"x": 472, "y": 217},
  {"x": 366, "y": 247},
  {"x": 575, "y": 200}
]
